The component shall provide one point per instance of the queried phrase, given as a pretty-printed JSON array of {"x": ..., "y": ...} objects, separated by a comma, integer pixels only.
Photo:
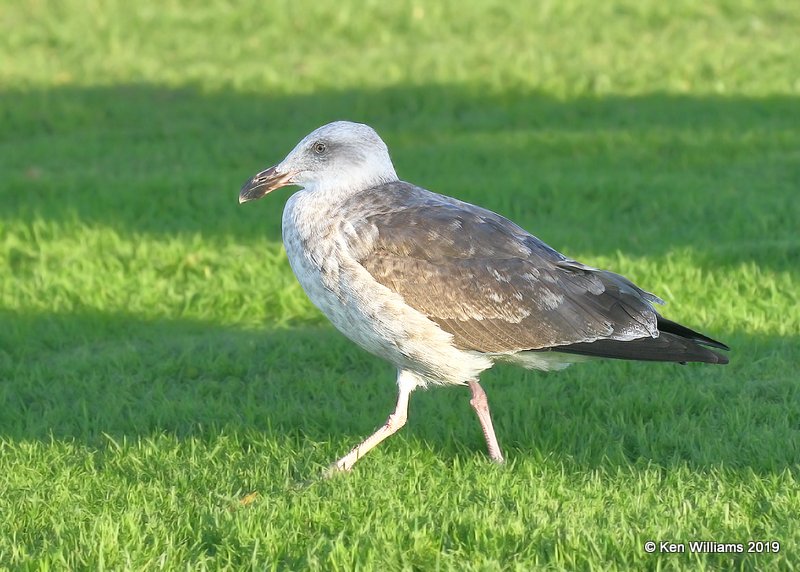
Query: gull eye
[{"x": 319, "y": 147}]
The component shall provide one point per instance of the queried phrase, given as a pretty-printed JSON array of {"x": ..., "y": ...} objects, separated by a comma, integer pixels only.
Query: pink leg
[
  {"x": 406, "y": 383},
  {"x": 480, "y": 403}
]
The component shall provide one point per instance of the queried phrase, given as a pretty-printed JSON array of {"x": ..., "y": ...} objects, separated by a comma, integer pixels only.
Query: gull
[{"x": 443, "y": 289}]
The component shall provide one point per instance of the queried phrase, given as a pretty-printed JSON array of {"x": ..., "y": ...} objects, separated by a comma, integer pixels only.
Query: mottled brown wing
[{"x": 489, "y": 283}]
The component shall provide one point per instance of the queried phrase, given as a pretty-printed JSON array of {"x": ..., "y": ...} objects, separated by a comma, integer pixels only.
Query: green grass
[{"x": 169, "y": 397}]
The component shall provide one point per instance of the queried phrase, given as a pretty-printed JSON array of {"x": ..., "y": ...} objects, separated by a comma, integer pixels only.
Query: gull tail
[{"x": 675, "y": 343}]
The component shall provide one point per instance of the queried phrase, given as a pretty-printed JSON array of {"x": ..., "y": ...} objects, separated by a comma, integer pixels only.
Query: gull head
[{"x": 339, "y": 156}]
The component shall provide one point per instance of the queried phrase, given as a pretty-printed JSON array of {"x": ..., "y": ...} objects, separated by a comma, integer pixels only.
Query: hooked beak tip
[{"x": 263, "y": 183}]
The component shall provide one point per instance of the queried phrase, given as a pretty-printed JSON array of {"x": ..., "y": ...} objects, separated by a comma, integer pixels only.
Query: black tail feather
[{"x": 675, "y": 343}]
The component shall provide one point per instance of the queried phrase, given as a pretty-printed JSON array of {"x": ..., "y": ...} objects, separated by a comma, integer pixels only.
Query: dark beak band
[{"x": 261, "y": 184}]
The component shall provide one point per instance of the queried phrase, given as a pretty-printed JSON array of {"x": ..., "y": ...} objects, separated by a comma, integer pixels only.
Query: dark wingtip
[
  {"x": 665, "y": 325},
  {"x": 666, "y": 347}
]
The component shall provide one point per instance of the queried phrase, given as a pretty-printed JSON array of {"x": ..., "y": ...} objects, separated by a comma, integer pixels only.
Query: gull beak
[{"x": 264, "y": 182}]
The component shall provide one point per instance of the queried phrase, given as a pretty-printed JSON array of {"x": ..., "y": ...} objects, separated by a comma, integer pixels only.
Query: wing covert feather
[{"x": 492, "y": 285}]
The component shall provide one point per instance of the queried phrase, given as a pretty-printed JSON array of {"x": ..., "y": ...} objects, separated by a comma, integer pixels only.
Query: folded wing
[{"x": 492, "y": 285}]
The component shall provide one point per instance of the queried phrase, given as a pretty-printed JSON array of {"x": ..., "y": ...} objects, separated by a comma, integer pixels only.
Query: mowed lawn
[{"x": 169, "y": 398}]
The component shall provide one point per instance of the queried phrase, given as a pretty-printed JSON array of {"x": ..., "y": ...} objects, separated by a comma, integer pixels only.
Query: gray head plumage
[{"x": 339, "y": 156}]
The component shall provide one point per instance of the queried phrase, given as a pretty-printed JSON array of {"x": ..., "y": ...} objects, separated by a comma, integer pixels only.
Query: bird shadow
[
  {"x": 706, "y": 173},
  {"x": 709, "y": 173},
  {"x": 88, "y": 377}
]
